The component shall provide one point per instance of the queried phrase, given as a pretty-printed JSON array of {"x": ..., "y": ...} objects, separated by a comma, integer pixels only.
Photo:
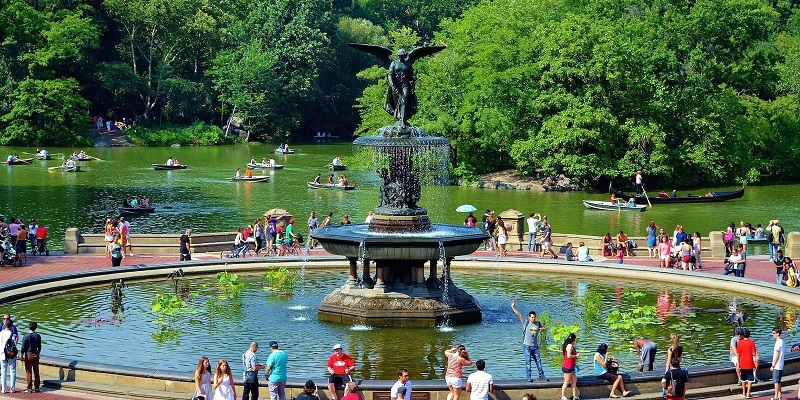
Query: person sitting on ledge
[
  {"x": 569, "y": 254},
  {"x": 583, "y": 252}
]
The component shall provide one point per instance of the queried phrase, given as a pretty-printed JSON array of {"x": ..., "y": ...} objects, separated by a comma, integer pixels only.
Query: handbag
[{"x": 672, "y": 385}]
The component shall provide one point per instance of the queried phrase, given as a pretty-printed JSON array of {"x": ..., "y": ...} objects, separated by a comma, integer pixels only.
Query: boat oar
[
  {"x": 649, "y": 204},
  {"x": 54, "y": 168},
  {"x": 95, "y": 158}
]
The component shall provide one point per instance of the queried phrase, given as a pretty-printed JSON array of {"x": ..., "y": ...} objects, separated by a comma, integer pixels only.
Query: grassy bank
[{"x": 198, "y": 134}]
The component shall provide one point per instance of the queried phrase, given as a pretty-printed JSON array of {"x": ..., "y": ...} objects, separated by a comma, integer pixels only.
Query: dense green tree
[
  {"x": 269, "y": 70},
  {"x": 41, "y": 100}
]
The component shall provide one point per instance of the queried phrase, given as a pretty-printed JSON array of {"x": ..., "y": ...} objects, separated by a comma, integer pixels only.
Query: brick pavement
[{"x": 758, "y": 267}]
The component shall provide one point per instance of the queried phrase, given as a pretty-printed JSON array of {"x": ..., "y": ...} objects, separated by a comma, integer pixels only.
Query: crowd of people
[{"x": 17, "y": 238}]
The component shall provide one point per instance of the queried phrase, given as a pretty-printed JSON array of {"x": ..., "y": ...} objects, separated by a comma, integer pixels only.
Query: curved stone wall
[{"x": 708, "y": 380}]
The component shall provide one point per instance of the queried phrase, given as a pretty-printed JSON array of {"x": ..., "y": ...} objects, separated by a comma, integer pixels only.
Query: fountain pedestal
[{"x": 401, "y": 240}]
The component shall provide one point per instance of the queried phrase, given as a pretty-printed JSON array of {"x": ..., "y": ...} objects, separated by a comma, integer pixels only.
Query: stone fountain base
[{"x": 416, "y": 307}]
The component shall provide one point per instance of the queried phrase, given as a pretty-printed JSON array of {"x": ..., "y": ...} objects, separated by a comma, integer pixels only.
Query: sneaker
[
  {"x": 749, "y": 397},
  {"x": 758, "y": 381},
  {"x": 564, "y": 398},
  {"x": 529, "y": 380}
]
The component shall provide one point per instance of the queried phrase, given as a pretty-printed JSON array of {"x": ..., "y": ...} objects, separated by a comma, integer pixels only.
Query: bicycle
[
  {"x": 268, "y": 251},
  {"x": 295, "y": 249},
  {"x": 236, "y": 252}
]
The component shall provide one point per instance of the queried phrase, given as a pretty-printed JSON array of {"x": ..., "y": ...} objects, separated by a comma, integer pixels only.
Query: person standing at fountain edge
[
  {"x": 646, "y": 349},
  {"x": 8, "y": 366},
  {"x": 276, "y": 372},
  {"x": 251, "y": 367},
  {"x": 402, "y": 382},
  {"x": 313, "y": 223},
  {"x": 339, "y": 366},
  {"x": 457, "y": 357},
  {"x": 31, "y": 348},
  {"x": 479, "y": 383},
  {"x": 533, "y": 228},
  {"x": 777, "y": 362},
  {"x": 530, "y": 341}
]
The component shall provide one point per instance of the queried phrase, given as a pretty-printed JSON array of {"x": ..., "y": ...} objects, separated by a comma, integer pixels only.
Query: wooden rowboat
[
  {"x": 607, "y": 206},
  {"x": 136, "y": 210},
  {"x": 279, "y": 151},
  {"x": 250, "y": 179},
  {"x": 330, "y": 187},
  {"x": 20, "y": 161},
  {"x": 163, "y": 167},
  {"x": 264, "y": 166},
  {"x": 339, "y": 167},
  {"x": 75, "y": 168},
  {"x": 709, "y": 197},
  {"x": 76, "y": 158}
]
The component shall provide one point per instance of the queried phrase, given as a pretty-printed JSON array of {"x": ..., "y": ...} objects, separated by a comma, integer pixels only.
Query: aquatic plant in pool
[{"x": 219, "y": 328}]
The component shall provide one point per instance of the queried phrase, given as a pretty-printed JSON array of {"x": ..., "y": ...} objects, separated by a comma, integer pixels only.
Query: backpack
[
  {"x": 10, "y": 349},
  {"x": 299, "y": 238},
  {"x": 672, "y": 386}
]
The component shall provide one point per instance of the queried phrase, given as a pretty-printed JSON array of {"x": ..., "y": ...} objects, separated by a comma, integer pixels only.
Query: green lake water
[{"x": 200, "y": 197}]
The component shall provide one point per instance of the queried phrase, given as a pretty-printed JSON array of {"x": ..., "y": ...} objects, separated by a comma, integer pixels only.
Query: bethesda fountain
[{"x": 406, "y": 248}]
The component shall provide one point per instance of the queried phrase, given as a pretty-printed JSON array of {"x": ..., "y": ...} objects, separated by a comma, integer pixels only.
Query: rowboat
[
  {"x": 136, "y": 210},
  {"x": 339, "y": 167},
  {"x": 74, "y": 168},
  {"x": 607, "y": 206},
  {"x": 162, "y": 167},
  {"x": 44, "y": 157},
  {"x": 264, "y": 166},
  {"x": 76, "y": 158},
  {"x": 281, "y": 151},
  {"x": 250, "y": 179},
  {"x": 709, "y": 197},
  {"x": 19, "y": 161},
  {"x": 330, "y": 187}
]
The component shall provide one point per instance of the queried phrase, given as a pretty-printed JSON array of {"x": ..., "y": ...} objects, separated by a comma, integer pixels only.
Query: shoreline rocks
[{"x": 509, "y": 180}]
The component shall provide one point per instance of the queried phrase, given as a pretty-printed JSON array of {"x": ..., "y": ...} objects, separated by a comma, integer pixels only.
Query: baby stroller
[
  {"x": 9, "y": 255},
  {"x": 40, "y": 245}
]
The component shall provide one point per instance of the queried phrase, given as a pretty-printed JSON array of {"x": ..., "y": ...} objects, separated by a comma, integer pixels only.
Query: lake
[{"x": 201, "y": 198}]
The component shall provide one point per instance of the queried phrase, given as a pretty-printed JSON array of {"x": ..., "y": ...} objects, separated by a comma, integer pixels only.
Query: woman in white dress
[
  {"x": 224, "y": 387},
  {"x": 202, "y": 379}
]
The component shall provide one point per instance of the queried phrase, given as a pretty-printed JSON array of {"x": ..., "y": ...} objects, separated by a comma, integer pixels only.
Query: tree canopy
[{"x": 689, "y": 91}]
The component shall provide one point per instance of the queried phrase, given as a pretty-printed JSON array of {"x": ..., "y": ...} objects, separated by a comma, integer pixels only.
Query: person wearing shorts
[
  {"x": 777, "y": 362},
  {"x": 733, "y": 354},
  {"x": 339, "y": 366},
  {"x": 646, "y": 349},
  {"x": 748, "y": 357}
]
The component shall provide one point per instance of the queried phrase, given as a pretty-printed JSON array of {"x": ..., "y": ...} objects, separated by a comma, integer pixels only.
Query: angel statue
[{"x": 401, "y": 98}]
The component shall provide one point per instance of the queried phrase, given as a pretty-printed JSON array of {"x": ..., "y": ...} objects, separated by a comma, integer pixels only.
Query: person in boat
[
  {"x": 248, "y": 173},
  {"x": 674, "y": 193},
  {"x": 330, "y": 180},
  {"x": 253, "y": 160},
  {"x": 662, "y": 194},
  {"x": 345, "y": 181},
  {"x": 69, "y": 163},
  {"x": 264, "y": 161},
  {"x": 286, "y": 148},
  {"x": 318, "y": 179},
  {"x": 340, "y": 181},
  {"x": 613, "y": 199},
  {"x": 83, "y": 154},
  {"x": 271, "y": 162},
  {"x": 238, "y": 173},
  {"x": 170, "y": 161},
  {"x": 144, "y": 202},
  {"x": 336, "y": 161},
  {"x": 134, "y": 202},
  {"x": 280, "y": 147},
  {"x": 631, "y": 202}
]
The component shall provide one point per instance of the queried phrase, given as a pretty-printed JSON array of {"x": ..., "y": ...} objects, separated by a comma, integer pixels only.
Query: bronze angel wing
[
  {"x": 420, "y": 52},
  {"x": 383, "y": 54}
]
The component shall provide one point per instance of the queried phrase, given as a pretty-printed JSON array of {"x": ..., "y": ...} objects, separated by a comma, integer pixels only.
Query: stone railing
[{"x": 94, "y": 243}]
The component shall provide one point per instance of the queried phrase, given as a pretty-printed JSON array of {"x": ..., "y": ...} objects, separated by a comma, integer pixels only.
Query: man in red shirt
[
  {"x": 339, "y": 366},
  {"x": 748, "y": 358}
]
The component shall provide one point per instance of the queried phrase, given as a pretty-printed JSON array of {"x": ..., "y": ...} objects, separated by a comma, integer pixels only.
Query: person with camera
[
  {"x": 251, "y": 367},
  {"x": 675, "y": 381},
  {"x": 606, "y": 367}
]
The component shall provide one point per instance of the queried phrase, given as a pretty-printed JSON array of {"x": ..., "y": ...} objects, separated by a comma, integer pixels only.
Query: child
[{"x": 620, "y": 253}]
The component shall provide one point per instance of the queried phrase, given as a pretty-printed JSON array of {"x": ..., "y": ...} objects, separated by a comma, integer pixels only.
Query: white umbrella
[{"x": 466, "y": 208}]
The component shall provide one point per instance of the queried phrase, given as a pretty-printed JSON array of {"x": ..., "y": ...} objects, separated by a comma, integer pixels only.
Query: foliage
[
  {"x": 631, "y": 317},
  {"x": 559, "y": 332},
  {"x": 197, "y": 134},
  {"x": 281, "y": 280},
  {"x": 230, "y": 287},
  {"x": 545, "y": 319}
]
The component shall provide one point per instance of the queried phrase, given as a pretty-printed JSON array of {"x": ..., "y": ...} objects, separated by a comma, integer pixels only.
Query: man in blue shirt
[{"x": 276, "y": 372}]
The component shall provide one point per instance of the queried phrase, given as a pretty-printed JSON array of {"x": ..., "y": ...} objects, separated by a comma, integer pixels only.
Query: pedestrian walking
[
  {"x": 186, "y": 246},
  {"x": 202, "y": 379}
]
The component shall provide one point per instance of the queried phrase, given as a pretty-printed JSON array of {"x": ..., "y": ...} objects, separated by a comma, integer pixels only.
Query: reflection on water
[{"x": 89, "y": 325}]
